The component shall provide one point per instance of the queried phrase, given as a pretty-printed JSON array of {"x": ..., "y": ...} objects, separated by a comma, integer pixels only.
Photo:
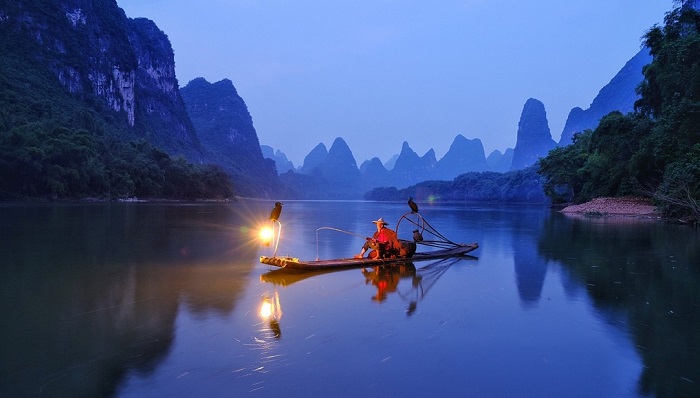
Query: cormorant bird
[
  {"x": 412, "y": 205},
  {"x": 276, "y": 211}
]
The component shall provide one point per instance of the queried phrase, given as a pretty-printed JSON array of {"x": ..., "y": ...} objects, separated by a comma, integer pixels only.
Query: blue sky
[{"x": 380, "y": 72}]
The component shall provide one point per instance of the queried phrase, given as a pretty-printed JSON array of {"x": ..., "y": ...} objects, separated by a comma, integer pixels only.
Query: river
[{"x": 155, "y": 300}]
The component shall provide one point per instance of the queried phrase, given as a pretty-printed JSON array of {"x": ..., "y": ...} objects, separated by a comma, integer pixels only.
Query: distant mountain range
[
  {"x": 534, "y": 140},
  {"x": 123, "y": 71}
]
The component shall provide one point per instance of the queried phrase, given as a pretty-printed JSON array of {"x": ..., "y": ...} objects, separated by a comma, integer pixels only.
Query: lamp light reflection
[
  {"x": 271, "y": 311},
  {"x": 266, "y": 309}
]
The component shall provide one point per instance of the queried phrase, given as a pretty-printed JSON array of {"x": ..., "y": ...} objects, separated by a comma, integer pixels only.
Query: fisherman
[{"x": 384, "y": 242}]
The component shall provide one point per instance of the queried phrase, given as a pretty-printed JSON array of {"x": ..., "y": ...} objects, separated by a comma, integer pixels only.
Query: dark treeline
[
  {"x": 39, "y": 161},
  {"x": 516, "y": 186},
  {"x": 654, "y": 151},
  {"x": 61, "y": 163}
]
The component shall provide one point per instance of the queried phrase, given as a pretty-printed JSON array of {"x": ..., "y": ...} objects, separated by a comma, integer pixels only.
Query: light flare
[{"x": 265, "y": 235}]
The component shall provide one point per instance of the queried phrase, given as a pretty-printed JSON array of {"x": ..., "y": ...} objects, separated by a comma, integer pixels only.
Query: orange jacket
[{"x": 389, "y": 238}]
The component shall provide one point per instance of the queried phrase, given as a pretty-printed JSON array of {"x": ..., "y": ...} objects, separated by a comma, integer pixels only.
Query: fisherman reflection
[{"x": 386, "y": 279}]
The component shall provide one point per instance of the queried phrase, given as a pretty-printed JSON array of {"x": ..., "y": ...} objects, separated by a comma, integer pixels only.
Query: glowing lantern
[{"x": 265, "y": 236}]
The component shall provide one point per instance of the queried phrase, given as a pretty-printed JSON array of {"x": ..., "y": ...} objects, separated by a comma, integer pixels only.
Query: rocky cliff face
[
  {"x": 534, "y": 138},
  {"x": 160, "y": 111},
  {"x": 618, "y": 95},
  {"x": 86, "y": 46},
  {"x": 110, "y": 61},
  {"x": 228, "y": 137}
]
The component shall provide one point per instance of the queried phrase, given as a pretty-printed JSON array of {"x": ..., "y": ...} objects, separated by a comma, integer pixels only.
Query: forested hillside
[
  {"x": 69, "y": 127},
  {"x": 654, "y": 151}
]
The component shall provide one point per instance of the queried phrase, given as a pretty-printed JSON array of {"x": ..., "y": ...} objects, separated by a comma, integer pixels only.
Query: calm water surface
[{"x": 153, "y": 300}]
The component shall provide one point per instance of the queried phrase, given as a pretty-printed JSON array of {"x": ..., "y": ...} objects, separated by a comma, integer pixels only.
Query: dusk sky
[{"x": 380, "y": 72}]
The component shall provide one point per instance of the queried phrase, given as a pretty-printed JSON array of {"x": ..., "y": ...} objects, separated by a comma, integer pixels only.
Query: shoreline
[{"x": 616, "y": 207}]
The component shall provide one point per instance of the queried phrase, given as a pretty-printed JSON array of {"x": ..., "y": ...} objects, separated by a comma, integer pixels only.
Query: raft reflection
[{"x": 386, "y": 279}]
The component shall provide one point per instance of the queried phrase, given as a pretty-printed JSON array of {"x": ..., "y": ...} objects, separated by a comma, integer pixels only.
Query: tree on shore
[{"x": 654, "y": 150}]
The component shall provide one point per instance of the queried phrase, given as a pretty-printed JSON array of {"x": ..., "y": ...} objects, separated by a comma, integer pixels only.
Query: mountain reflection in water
[
  {"x": 89, "y": 292},
  {"x": 167, "y": 300},
  {"x": 644, "y": 278}
]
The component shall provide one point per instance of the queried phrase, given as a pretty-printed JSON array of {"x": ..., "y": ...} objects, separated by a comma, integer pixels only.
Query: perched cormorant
[
  {"x": 276, "y": 211},
  {"x": 412, "y": 205}
]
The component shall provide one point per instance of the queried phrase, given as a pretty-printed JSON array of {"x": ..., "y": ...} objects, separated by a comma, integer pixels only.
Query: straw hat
[{"x": 380, "y": 221}]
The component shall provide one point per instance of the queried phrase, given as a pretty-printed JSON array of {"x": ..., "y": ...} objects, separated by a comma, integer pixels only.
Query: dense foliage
[
  {"x": 56, "y": 145},
  {"x": 37, "y": 162},
  {"x": 603, "y": 162},
  {"x": 516, "y": 186},
  {"x": 654, "y": 151}
]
